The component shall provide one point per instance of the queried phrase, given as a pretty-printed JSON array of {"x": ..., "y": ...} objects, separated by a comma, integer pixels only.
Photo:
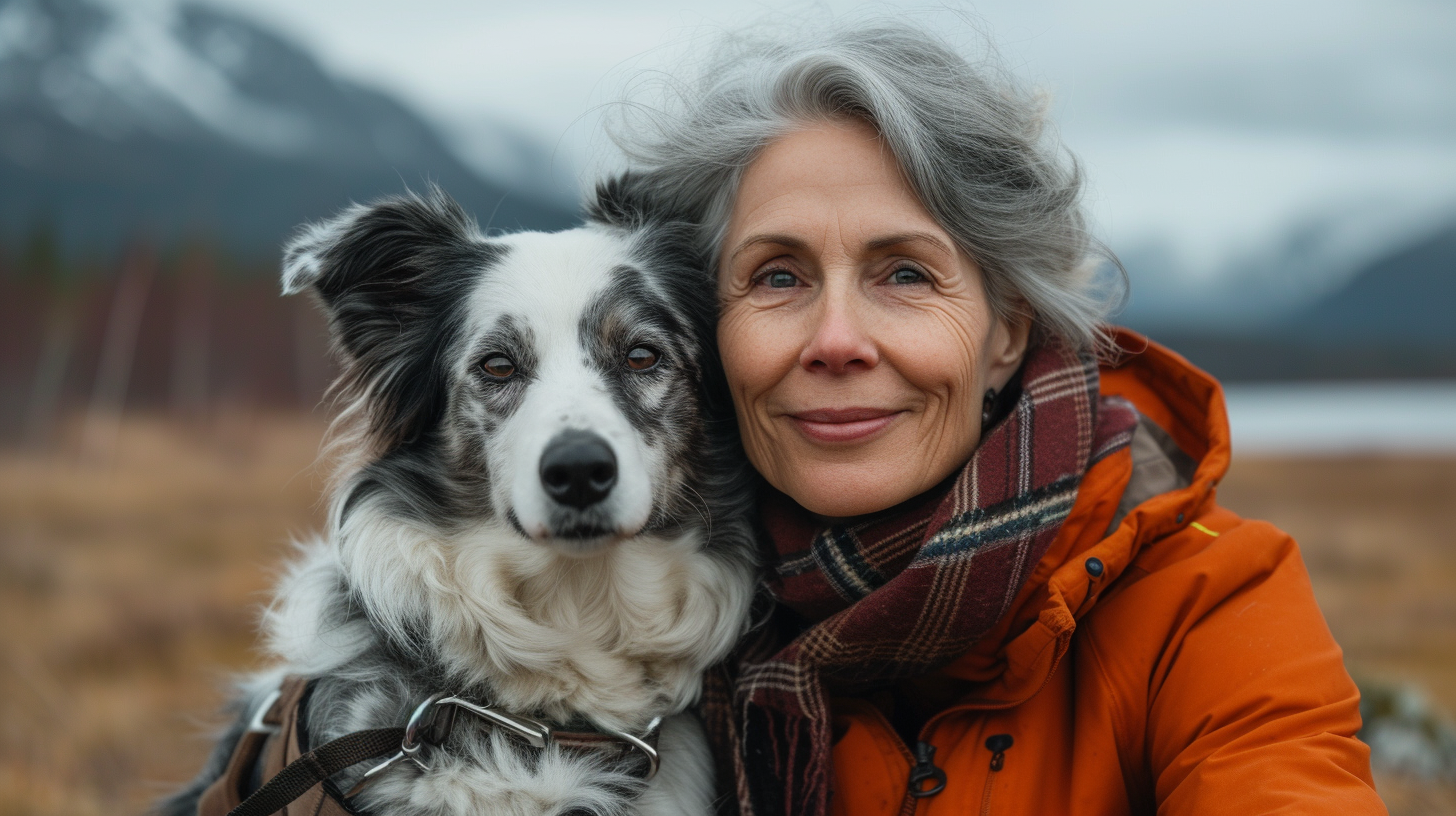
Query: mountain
[
  {"x": 117, "y": 121},
  {"x": 1394, "y": 318},
  {"x": 1409, "y": 296}
]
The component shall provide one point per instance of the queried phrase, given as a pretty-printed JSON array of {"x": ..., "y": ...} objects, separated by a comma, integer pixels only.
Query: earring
[{"x": 988, "y": 406}]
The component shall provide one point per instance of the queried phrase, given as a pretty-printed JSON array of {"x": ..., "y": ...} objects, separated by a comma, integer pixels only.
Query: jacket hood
[{"x": 1129, "y": 499}]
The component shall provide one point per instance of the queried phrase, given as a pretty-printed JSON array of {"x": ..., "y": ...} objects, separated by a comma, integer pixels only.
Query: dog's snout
[{"x": 578, "y": 469}]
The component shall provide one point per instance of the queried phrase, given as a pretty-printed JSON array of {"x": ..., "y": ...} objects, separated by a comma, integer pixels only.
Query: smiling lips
[{"x": 843, "y": 424}]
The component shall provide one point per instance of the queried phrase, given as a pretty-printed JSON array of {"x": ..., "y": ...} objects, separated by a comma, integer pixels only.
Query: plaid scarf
[{"x": 904, "y": 592}]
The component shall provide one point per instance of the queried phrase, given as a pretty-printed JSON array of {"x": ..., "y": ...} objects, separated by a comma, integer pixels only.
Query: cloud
[{"x": 1211, "y": 127}]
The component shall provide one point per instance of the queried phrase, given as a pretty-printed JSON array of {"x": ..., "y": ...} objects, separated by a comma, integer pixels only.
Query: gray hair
[{"x": 969, "y": 139}]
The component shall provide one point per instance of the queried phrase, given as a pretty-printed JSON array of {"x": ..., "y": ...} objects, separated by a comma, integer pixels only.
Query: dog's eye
[
  {"x": 498, "y": 366},
  {"x": 641, "y": 358}
]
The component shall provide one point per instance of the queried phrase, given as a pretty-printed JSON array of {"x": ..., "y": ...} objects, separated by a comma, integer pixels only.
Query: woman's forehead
[{"x": 834, "y": 177}]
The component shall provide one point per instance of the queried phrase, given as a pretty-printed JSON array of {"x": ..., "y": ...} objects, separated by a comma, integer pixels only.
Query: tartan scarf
[{"x": 904, "y": 592}]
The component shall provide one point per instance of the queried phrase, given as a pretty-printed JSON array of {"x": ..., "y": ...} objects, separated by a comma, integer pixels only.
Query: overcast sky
[{"x": 1210, "y": 130}]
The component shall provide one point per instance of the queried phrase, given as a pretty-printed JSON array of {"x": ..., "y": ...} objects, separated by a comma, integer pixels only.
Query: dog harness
[{"x": 297, "y": 783}]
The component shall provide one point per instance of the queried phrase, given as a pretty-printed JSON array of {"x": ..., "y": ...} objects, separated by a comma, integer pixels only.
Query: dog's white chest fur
[{"x": 621, "y": 635}]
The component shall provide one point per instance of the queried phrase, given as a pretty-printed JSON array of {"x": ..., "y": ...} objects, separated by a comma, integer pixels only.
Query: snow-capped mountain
[
  {"x": 184, "y": 120},
  {"x": 1392, "y": 319}
]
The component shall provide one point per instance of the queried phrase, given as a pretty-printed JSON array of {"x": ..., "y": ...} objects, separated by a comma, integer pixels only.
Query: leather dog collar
[{"x": 429, "y": 727}]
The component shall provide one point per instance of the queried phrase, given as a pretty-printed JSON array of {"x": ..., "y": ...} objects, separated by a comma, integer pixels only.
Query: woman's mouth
[{"x": 843, "y": 424}]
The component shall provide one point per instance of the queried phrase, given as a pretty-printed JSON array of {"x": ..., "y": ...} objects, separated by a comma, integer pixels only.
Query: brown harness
[
  {"x": 297, "y": 783},
  {"x": 274, "y": 746}
]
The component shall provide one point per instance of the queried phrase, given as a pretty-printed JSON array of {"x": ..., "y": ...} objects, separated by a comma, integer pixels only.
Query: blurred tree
[
  {"x": 192, "y": 331},
  {"x": 40, "y": 259},
  {"x": 118, "y": 350},
  {"x": 42, "y": 266}
]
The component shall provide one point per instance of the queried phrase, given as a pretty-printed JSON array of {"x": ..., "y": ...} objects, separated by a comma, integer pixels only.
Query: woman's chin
[
  {"x": 842, "y": 480},
  {"x": 850, "y": 489}
]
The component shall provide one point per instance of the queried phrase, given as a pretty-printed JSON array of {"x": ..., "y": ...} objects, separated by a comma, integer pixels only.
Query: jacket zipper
[
  {"x": 997, "y": 745},
  {"x": 908, "y": 806},
  {"x": 925, "y": 771}
]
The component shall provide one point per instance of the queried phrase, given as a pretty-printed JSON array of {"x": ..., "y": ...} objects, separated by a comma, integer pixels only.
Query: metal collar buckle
[
  {"x": 434, "y": 719},
  {"x": 411, "y": 745},
  {"x": 259, "y": 723}
]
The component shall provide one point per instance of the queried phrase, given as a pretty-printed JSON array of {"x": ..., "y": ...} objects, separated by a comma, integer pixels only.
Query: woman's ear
[{"x": 1007, "y": 347}]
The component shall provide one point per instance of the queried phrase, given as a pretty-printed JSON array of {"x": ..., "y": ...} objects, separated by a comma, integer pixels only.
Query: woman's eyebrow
[
  {"x": 886, "y": 242},
  {"x": 900, "y": 239},
  {"x": 778, "y": 239}
]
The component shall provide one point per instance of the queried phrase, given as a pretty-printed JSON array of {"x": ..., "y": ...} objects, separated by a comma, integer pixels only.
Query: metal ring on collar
[
  {"x": 409, "y": 747},
  {"x": 643, "y": 747}
]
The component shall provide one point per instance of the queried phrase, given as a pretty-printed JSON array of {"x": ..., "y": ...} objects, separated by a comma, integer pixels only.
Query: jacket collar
[{"x": 1186, "y": 408}]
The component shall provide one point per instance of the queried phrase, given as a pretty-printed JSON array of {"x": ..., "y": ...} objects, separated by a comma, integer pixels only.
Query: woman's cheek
[
  {"x": 937, "y": 350},
  {"x": 756, "y": 343},
  {"x": 735, "y": 345},
  {"x": 936, "y": 346},
  {"x": 753, "y": 347}
]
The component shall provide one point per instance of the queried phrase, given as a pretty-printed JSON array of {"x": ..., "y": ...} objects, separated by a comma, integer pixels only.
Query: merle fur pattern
[{"x": 444, "y": 569}]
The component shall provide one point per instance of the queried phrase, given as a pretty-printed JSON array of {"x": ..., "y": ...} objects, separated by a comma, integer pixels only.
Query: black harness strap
[
  {"x": 316, "y": 766},
  {"x": 426, "y": 726}
]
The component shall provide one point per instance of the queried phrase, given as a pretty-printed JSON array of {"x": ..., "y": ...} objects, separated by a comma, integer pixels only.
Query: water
[{"x": 1336, "y": 418}]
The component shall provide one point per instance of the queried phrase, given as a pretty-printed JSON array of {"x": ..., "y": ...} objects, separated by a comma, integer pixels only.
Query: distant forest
[
  {"x": 191, "y": 327},
  {"x": 184, "y": 330}
]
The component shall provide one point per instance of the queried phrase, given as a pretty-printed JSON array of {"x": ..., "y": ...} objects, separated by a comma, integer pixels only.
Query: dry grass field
[
  {"x": 130, "y": 581},
  {"x": 129, "y": 588}
]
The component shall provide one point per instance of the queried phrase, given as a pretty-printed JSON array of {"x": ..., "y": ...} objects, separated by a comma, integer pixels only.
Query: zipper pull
[
  {"x": 925, "y": 769},
  {"x": 997, "y": 745}
]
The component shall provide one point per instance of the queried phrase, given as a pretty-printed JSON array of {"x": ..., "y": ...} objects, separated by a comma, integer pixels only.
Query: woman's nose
[{"x": 839, "y": 342}]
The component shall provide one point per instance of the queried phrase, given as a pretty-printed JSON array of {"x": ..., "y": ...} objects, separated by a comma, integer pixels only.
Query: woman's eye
[
  {"x": 498, "y": 366},
  {"x": 641, "y": 358},
  {"x": 780, "y": 280},
  {"x": 906, "y": 274}
]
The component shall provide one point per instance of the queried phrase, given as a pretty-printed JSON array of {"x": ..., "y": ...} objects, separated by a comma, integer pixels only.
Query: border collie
[{"x": 538, "y": 509}]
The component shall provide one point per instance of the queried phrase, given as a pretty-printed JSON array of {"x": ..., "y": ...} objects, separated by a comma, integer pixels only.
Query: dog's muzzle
[{"x": 578, "y": 469}]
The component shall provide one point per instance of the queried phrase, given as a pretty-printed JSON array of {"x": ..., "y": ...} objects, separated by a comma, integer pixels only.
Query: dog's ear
[
  {"x": 392, "y": 279},
  {"x": 630, "y": 201}
]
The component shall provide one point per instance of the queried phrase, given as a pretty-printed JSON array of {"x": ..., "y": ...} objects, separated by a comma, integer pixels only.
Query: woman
[{"x": 1002, "y": 582}]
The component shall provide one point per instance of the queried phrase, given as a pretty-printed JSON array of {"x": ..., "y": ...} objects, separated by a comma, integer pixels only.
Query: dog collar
[{"x": 434, "y": 720}]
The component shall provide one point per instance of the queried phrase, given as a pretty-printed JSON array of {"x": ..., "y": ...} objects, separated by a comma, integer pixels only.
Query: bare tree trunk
[
  {"x": 50, "y": 373},
  {"x": 192, "y": 338},
  {"x": 113, "y": 374}
]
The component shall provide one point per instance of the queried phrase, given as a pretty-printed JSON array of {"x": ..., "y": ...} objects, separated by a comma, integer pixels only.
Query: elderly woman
[{"x": 1001, "y": 578}]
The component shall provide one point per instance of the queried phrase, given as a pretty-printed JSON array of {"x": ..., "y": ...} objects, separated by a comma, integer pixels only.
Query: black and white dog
[{"x": 538, "y": 508}]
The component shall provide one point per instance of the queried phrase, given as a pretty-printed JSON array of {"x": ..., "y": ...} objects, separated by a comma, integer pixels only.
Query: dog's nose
[{"x": 578, "y": 469}]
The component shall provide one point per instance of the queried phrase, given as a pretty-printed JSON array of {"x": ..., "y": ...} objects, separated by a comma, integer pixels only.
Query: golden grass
[{"x": 129, "y": 589}]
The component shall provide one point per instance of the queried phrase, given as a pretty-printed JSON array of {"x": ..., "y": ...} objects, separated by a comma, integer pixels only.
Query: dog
[{"x": 539, "y": 510}]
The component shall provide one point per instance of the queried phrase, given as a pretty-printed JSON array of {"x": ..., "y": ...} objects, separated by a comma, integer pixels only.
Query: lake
[{"x": 1340, "y": 418}]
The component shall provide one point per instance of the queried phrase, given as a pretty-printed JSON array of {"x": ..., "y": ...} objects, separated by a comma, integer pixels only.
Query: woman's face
[{"x": 857, "y": 339}]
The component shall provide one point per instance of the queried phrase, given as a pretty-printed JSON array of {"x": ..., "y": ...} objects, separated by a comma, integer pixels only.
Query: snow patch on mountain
[
  {"x": 121, "y": 118},
  {"x": 141, "y": 59},
  {"x": 114, "y": 70}
]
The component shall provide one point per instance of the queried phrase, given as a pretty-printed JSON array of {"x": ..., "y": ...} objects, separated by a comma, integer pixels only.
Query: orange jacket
[{"x": 1192, "y": 673}]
